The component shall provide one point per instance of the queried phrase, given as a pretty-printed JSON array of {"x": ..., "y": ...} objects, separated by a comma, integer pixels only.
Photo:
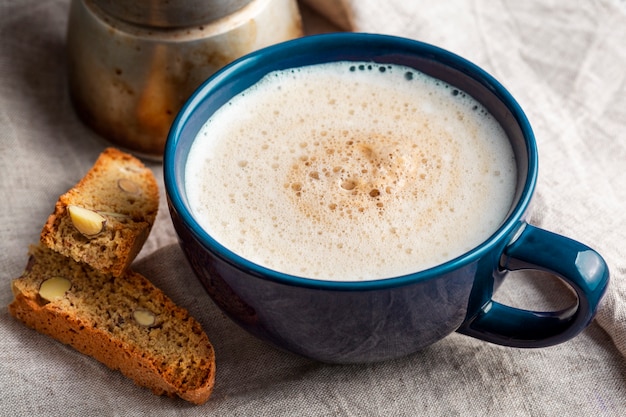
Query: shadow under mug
[{"x": 352, "y": 322}]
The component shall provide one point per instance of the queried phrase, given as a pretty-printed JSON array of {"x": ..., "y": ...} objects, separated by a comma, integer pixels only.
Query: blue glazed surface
[
  {"x": 346, "y": 322},
  {"x": 580, "y": 266}
]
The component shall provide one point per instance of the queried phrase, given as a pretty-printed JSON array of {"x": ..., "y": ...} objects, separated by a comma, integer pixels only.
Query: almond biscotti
[
  {"x": 105, "y": 219},
  {"x": 124, "y": 322}
]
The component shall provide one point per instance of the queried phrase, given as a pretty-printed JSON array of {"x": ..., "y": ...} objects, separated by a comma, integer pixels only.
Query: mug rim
[{"x": 174, "y": 185}]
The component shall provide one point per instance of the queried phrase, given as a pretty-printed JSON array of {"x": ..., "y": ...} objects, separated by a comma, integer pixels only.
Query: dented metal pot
[{"x": 131, "y": 65}]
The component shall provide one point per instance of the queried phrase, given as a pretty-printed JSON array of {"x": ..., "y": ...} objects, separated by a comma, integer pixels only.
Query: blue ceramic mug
[{"x": 348, "y": 322}]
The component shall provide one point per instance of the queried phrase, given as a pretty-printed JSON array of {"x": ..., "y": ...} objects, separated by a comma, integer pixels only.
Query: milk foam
[{"x": 350, "y": 172}]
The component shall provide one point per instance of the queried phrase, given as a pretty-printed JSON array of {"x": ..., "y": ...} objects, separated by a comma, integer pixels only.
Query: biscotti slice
[
  {"x": 124, "y": 322},
  {"x": 105, "y": 219}
]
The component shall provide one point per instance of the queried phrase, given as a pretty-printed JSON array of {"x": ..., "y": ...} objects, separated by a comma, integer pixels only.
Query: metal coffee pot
[{"x": 133, "y": 63}]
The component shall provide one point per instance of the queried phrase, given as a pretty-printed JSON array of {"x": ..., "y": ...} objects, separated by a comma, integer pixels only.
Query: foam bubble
[{"x": 351, "y": 171}]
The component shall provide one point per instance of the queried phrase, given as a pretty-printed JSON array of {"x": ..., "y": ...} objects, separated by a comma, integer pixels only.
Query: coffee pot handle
[{"x": 580, "y": 267}]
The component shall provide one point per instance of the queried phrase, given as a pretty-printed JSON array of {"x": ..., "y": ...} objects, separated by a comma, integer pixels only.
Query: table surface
[{"x": 565, "y": 62}]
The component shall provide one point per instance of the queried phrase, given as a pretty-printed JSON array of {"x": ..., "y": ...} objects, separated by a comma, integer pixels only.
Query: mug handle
[{"x": 577, "y": 265}]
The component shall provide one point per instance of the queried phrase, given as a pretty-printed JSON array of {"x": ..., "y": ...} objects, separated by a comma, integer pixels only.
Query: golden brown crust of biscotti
[
  {"x": 129, "y": 207},
  {"x": 172, "y": 357}
]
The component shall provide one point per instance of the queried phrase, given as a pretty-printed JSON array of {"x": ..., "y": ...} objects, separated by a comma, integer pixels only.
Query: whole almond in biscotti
[
  {"x": 105, "y": 219},
  {"x": 90, "y": 223}
]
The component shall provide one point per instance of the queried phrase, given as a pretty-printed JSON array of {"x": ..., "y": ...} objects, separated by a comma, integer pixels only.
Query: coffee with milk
[{"x": 350, "y": 171}]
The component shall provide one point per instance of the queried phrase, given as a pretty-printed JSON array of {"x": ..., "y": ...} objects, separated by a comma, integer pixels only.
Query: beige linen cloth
[{"x": 565, "y": 62}]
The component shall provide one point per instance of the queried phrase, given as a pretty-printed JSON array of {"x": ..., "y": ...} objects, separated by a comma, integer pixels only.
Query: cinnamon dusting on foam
[{"x": 351, "y": 171}]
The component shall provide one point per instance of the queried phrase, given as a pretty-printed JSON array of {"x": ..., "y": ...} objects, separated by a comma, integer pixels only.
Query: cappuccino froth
[{"x": 350, "y": 171}]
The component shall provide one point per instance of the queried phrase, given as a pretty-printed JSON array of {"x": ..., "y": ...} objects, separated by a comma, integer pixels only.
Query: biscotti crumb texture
[
  {"x": 105, "y": 219},
  {"x": 124, "y": 322}
]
